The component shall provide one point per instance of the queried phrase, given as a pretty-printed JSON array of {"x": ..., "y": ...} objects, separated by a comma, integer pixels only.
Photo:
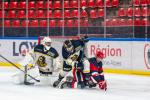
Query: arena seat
[
  {"x": 121, "y": 12},
  {"x": 114, "y": 22},
  {"x": 33, "y": 23},
  {"x": 6, "y": 5},
  {"x": 84, "y": 14},
  {"x": 50, "y": 4},
  {"x": 7, "y": 23},
  {"x": 66, "y": 4},
  {"x": 39, "y": 4},
  {"x": 11, "y": 14},
  {"x": 21, "y": 14},
  {"x": 99, "y": 3},
  {"x": 57, "y": 14},
  {"x": 135, "y": 2},
  {"x": 0, "y": 5},
  {"x": 144, "y": 11},
  {"x": 74, "y": 4},
  {"x": 91, "y": 3},
  {"x": 70, "y": 23},
  {"x": 115, "y": 3},
  {"x": 52, "y": 23},
  {"x": 49, "y": 14},
  {"x": 145, "y": 22},
  {"x": 84, "y": 22},
  {"x": 143, "y": 2},
  {"x": 75, "y": 13},
  {"x": 93, "y": 14},
  {"x": 137, "y": 12},
  {"x": 137, "y": 22},
  {"x": 76, "y": 21},
  {"x": 148, "y": 2},
  {"x": 100, "y": 13},
  {"x": 108, "y": 22},
  {"x": 122, "y": 22},
  {"x": 108, "y": 3},
  {"x": 31, "y": 14},
  {"x": 16, "y": 23},
  {"x": 25, "y": 23},
  {"x": 60, "y": 23},
  {"x": 40, "y": 14},
  {"x": 57, "y": 4},
  {"x": 129, "y": 12},
  {"x": 43, "y": 23},
  {"x": 67, "y": 13},
  {"x": 129, "y": 22},
  {"x": 83, "y": 3},
  {"x": 31, "y": 4},
  {"x": 1, "y": 14},
  {"x": 22, "y": 5},
  {"x": 13, "y": 5}
]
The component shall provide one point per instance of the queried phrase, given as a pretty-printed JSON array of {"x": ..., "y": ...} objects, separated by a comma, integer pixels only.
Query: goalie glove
[{"x": 103, "y": 85}]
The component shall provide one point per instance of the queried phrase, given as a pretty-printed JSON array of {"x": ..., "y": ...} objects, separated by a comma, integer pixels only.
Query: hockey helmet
[
  {"x": 68, "y": 45},
  {"x": 100, "y": 55},
  {"x": 47, "y": 42}
]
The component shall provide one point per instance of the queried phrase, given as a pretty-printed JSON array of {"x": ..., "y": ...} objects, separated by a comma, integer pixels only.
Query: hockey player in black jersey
[
  {"x": 44, "y": 59},
  {"x": 73, "y": 56}
]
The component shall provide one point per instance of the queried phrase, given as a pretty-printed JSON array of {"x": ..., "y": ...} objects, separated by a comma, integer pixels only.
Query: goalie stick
[
  {"x": 25, "y": 77},
  {"x": 20, "y": 69}
]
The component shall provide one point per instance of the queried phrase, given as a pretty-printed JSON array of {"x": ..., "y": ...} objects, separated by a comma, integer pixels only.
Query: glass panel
[
  {"x": 98, "y": 18},
  {"x": 118, "y": 23},
  {"x": 1, "y": 20}
]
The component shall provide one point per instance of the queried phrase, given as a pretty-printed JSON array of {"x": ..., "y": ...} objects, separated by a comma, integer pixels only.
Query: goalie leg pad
[{"x": 19, "y": 77}]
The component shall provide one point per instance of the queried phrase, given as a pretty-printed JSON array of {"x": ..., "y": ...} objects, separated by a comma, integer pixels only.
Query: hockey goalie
[{"x": 41, "y": 62}]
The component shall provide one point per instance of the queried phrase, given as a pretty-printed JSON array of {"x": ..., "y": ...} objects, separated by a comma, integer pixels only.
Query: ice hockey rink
[{"x": 120, "y": 87}]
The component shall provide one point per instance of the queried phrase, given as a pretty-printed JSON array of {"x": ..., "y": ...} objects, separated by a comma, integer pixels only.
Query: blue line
[
  {"x": 19, "y": 38},
  {"x": 118, "y": 39},
  {"x": 91, "y": 39}
]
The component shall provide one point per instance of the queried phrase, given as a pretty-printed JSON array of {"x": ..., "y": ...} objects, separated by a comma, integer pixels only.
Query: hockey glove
[
  {"x": 103, "y": 85},
  {"x": 85, "y": 39}
]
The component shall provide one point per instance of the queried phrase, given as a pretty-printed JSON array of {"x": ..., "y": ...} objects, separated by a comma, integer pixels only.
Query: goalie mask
[
  {"x": 47, "y": 42},
  {"x": 68, "y": 46}
]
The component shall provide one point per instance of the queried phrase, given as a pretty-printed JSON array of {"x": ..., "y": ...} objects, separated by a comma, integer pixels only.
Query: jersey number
[{"x": 41, "y": 61}]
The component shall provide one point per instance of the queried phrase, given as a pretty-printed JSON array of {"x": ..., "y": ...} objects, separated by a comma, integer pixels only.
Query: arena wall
[{"x": 122, "y": 56}]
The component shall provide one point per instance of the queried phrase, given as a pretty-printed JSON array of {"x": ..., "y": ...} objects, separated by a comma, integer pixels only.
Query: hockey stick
[{"x": 19, "y": 68}]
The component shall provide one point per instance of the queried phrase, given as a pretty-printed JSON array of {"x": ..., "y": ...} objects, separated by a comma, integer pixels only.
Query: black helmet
[{"x": 68, "y": 45}]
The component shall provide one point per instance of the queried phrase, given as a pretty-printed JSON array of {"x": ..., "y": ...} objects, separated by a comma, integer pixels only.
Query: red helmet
[{"x": 100, "y": 55}]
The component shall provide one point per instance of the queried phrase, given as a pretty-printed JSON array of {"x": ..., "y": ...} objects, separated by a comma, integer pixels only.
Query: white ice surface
[{"x": 120, "y": 87}]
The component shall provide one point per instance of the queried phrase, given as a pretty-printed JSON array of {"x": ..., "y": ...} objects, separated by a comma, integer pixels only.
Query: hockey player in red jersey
[
  {"x": 96, "y": 71},
  {"x": 92, "y": 79}
]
